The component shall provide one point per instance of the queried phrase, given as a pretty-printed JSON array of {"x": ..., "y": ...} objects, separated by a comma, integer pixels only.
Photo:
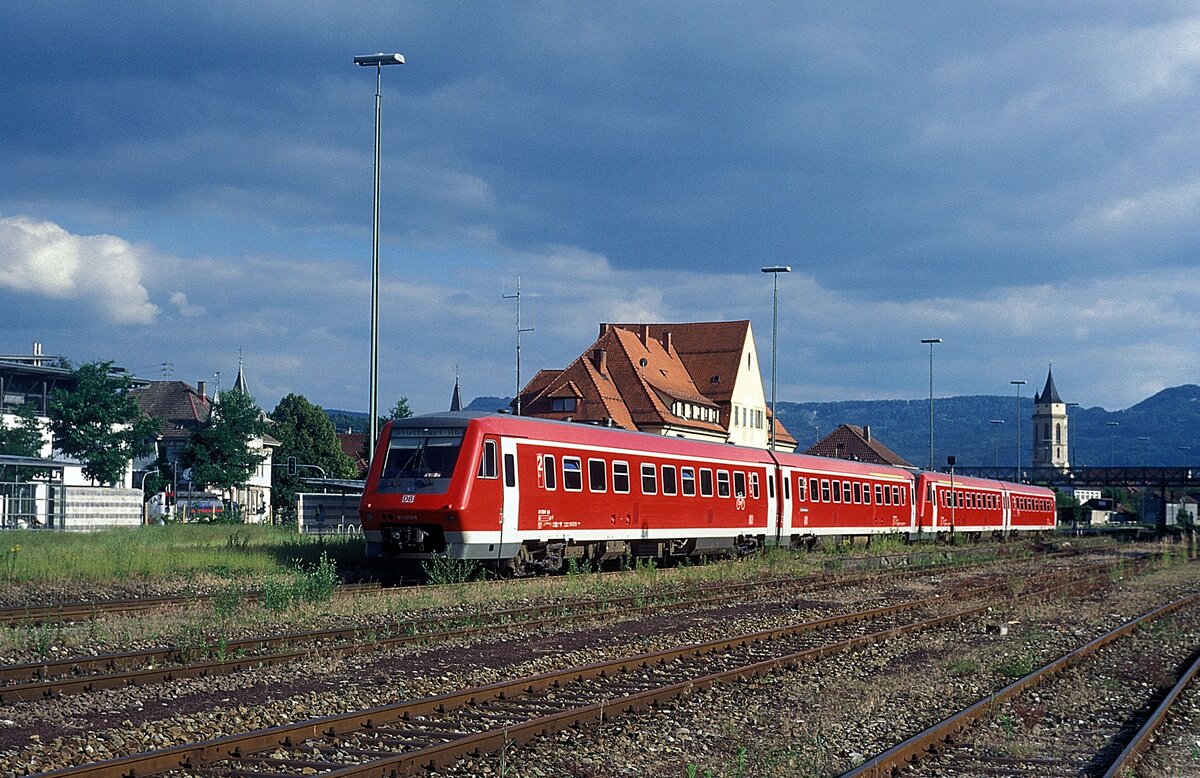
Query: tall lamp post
[
  {"x": 1112, "y": 442},
  {"x": 774, "y": 270},
  {"x": 1070, "y": 436},
  {"x": 931, "y": 341},
  {"x": 996, "y": 426},
  {"x": 378, "y": 61},
  {"x": 1018, "y": 384}
]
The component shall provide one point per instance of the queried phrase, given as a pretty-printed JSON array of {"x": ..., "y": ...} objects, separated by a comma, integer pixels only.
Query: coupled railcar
[{"x": 525, "y": 493}]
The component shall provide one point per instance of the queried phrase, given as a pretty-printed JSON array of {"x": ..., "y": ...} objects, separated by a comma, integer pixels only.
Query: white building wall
[{"x": 748, "y": 403}]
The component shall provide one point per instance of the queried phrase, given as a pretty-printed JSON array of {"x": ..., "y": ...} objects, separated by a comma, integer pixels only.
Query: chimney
[
  {"x": 867, "y": 432},
  {"x": 666, "y": 341},
  {"x": 646, "y": 335},
  {"x": 200, "y": 387},
  {"x": 600, "y": 360}
]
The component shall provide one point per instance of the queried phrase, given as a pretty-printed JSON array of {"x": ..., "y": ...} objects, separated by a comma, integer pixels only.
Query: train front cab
[{"x": 425, "y": 474}]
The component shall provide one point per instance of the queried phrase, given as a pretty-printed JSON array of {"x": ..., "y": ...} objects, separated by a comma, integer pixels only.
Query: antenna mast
[{"x": 517, "y": 297}]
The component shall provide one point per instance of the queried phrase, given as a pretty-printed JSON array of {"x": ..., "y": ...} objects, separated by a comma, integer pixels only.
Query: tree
[
  {"x": 99, "y": 423},
  {"x": 306, "y": 433},
  {"x": 22, "y": 439},
  {"x": 219, "y": 454},
  {"x": 401, "y": 410}
]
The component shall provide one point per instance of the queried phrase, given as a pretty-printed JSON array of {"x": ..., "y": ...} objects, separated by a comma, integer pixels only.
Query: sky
[{"x": 183, "y": 186}]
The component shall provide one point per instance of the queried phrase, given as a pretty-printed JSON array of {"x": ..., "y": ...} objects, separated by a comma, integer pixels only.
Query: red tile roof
[{"x": 857, "y": 443}]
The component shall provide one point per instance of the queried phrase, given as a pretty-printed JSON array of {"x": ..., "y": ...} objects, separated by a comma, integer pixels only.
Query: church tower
[{"x": 1050, "y": 427}]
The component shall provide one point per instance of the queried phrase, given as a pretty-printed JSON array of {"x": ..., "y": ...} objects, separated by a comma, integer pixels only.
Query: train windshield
[{"x": 421, "y": 459}]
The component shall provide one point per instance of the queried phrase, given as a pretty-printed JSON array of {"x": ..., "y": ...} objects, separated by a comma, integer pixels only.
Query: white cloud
[
  {"x": 40, "y": 257},
  {"x": 180, "y": 301}
]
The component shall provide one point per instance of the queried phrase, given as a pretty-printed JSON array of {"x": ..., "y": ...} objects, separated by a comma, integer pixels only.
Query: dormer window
[{"x": 563, "y": 404}]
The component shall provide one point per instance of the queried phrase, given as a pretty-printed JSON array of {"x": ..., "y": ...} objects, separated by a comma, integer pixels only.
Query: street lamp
[
  {"x": 1070, "y": 436},
  {"x": 774, "y": 270},
  {"x": 996, "y": 426},
  {"x": 1018, "y": 384},
  {"x": 378, "y": 61},
  {"x": 931, "y": 341},
  {"x": 1112, "y": 444}
]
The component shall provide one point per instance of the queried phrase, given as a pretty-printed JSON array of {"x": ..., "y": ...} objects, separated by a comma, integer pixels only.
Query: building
[
  {"x": 696, "y": 380},
  {"x": 50, "y": 490},
  {"x": 181, "y": 410},
  {"x": 857, "y": 444},
  {"x": 1050, "y": 432}
]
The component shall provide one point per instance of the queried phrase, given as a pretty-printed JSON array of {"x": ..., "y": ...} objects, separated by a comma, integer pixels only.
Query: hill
[{"x": 1168, "y": 421}]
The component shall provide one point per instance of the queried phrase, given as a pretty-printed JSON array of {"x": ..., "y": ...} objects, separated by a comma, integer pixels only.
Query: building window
[{"x": 563, "y": 404}]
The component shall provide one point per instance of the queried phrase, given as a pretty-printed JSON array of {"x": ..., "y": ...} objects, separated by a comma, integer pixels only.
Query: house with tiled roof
[
  {"x": 859, "y": 445},
  {"x": 694, "y": 380},
  {"x": 182, "y": 410}
]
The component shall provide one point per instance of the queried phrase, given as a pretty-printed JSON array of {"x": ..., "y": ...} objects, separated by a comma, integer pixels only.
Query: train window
[
  {"x": 754, "y": 485},
  {"x": 487, "y": 463},
  {"x": 739, "y": 484},
  {"x": 621, "y": 477},
  {"x": 825, "y": 491},
  {"x": 510, "y": 470},
  {"x": 887, "y": 495},
  {"x": 688, "y": 476},
  {"x": 845, "y": 491},
  {"x": 548, "y": 469},
  {"x": 837, "y": 492},
  {"x": 668, "y": 479},
  {"x": 597, "y": 472},
  {"x": 787, "y": 489},
  {"x": 866, "y": 494},
  {"x": 572, "y": 474},
  {"x": 814, "y": 493},
  {"x": 771, "y": 485},
  {"x": 706, "y": 482},
  {"x": 857, "y": 492},
  {"x": 904, "y": 495},
  {"x": 878, "y": 494},
  {"x": 722, "y": 483},
  {"x": 800, "y": 495},
  {"x": 649, "y": 479}
]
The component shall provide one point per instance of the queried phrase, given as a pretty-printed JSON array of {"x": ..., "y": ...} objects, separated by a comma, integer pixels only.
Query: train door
[
  {"x": 510, "y": 539},
  {"x": 782, "y": 510}
]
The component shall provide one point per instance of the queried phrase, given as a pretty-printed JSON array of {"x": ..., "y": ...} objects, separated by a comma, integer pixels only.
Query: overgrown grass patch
[{"x": 172, "y": 553}]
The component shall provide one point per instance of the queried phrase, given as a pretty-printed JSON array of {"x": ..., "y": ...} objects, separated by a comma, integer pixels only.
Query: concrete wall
[
  {"x": 328, "y": 514},
  {"x": 96, "y": 507}
]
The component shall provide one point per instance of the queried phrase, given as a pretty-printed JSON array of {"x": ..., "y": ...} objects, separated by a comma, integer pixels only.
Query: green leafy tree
[
  {"x": 401, "y": 410},
  {"x": 99, "y": 423},
  {"x": 22, "y": 439},
  {"x": 219, "y": 454},
  {"x": 306, "y": 433}
]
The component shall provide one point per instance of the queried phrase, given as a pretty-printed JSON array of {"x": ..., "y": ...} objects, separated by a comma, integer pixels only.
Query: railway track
[
  {"x": 416, "y": 735},
  {"x": 1111, "y": 685},
  {"x": 83, "y": 674}
]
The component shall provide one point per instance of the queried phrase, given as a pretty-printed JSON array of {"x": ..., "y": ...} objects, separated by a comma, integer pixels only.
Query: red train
[{"x": 523, "y": 493}]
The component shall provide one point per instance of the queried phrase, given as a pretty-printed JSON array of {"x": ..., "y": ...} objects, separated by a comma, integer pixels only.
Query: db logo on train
[{"x": 741, "y": 503}]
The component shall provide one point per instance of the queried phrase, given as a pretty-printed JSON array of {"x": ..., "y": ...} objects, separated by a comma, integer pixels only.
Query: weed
[
  {"x": 1008, "y": 724},
  {"x": 317, "y": 583},
  {"x": 226, "y": 601},
  {"x": 961, "y": 667},
  {"x": 276, "y": 594},
  {"x": 441, "y": 569},
  {"x": 9, "y": 561},
  {"x": 1015, "y": 666}
]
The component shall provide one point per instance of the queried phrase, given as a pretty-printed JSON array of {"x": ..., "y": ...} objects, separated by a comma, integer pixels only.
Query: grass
[{"x": 168, "y": 553}]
